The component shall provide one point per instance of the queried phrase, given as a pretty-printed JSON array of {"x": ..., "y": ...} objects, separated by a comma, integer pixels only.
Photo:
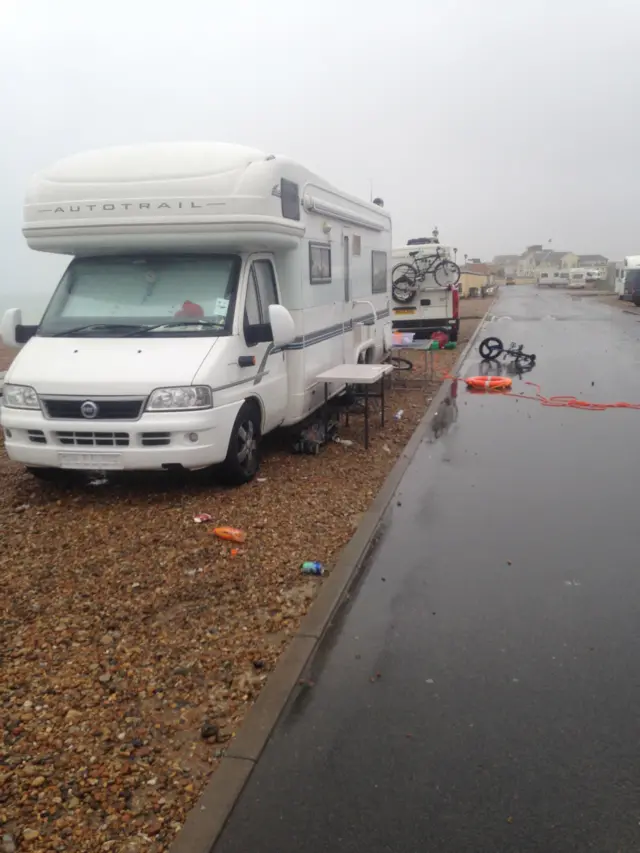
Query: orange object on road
[
  {"x": 230, "y": 533},
  {"x": 488, "y": 383}
]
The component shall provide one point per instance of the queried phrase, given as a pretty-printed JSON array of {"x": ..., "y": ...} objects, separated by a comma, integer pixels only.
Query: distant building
[
  {"x": 537, "y": 260},
  {"x": 593, "y": 262},
  {"x": 508, "y": 264}
]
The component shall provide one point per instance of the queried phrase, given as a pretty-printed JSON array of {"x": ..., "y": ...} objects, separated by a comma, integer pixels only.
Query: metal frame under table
[
  {"x": 424, "y": 347},
  {"x": 352, "y": 375}
]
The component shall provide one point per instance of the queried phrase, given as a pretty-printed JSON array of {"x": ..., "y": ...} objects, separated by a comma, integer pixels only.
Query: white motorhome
[
  {"x": 210, "y": 284},
  {"x": 629, "y": 288},
  {"x": 577, "y": 278},
  {"x": 433, "y": 307},
  {"x": 555, "y": 278}
]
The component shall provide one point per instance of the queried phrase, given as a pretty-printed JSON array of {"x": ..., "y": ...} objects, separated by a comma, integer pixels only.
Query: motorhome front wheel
[{"x": 243, "y": 461}]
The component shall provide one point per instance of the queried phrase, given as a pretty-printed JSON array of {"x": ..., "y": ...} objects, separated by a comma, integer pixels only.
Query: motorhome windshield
[
  {"x": 167, "y": 295},
  {"x": 632, "y": 281}
]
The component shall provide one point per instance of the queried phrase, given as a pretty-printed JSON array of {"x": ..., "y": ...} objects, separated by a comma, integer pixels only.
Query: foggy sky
[{"x": 504, "y": 122}]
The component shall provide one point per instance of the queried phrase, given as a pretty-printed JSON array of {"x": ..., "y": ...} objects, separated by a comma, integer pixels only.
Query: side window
[
  {"x": 289, "y": 199},
  {"x": 378, "y": 272},
  {"x": 319, "y": 263},
  {"x": 252, "y": 305},
  {"x": 267, "y": 292}
]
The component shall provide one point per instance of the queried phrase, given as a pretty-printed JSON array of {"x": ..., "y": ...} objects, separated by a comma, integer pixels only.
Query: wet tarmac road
[{"x": 481, "y": 691}]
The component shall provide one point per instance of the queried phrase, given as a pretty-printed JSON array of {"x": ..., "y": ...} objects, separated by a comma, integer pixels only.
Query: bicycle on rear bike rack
[{"x": 406, "y": 277}]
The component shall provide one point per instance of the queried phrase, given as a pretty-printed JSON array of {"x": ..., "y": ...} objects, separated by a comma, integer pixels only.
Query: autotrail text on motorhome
[{"x": 210, "y": 284}]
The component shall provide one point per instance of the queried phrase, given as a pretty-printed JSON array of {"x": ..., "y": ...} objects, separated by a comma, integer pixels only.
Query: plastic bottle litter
[
  {"x": 232, "y": 534},
  {"x": 202, "y": 517},
  {"x": 312, "y": 567},
  {"x": 398, "y": 415}
]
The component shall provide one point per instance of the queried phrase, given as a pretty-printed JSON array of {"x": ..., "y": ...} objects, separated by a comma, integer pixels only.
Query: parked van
[
  {"x": 557, "y": 278},
  {"x": 577, "y": 279},
  {"x": 209, "y": 285},
  {"x": 631, "y": 279},
  {"x": 433, "y": 307}
]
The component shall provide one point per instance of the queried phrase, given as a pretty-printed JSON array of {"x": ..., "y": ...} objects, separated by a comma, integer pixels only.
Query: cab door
[{"x": 271, "y": 380}]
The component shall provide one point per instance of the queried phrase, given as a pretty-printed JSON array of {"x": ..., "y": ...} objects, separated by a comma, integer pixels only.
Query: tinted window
[
  {"x": 378, "y": 272},
  {"x": 319, "y": 263},
  {"x": 267, "y": 292},
  {"x": 290, "y": 199},
  {"x": 252, "y": 304}
]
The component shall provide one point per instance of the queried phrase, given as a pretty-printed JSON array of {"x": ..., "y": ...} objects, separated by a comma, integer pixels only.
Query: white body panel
[{"x": 200, "y": 198}]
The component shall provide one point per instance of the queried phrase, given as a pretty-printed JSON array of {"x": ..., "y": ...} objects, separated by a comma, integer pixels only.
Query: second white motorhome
[
  {"x": 432, "y": 307},
  {"x": 210, "y": 285}
]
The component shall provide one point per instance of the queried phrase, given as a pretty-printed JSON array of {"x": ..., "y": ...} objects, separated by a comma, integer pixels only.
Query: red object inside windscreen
[{"x": 189, "y": 310}]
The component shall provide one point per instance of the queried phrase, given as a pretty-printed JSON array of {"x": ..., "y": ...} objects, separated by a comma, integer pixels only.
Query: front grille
[
  {"x": 93, "y": 439},
  {"x": 156, "y": 439},
  {"x": 108, "y": 410},
  {"x": 36, "y": 436}
]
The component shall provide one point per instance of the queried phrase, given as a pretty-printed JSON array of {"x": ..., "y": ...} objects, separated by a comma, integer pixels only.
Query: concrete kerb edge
[{"x": 207, "y": 818}]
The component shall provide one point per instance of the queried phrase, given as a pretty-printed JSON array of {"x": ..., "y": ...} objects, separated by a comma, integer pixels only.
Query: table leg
[
  {"x": 326, "y": 410},
  {"x": 382, "y": 401},
  {"x": 366, "y": 417}
]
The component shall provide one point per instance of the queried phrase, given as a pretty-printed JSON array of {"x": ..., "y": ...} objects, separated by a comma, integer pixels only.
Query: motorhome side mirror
[
  {"x": 282, "y": 325},
  {"x": 12, "y": 331}
]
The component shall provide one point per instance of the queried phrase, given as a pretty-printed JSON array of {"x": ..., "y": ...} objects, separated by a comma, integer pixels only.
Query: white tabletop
[{"x": 363, "y": 374}]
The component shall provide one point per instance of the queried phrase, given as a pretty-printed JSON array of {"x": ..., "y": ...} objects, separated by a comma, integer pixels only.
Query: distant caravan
[{"x": 557, "y": 278}]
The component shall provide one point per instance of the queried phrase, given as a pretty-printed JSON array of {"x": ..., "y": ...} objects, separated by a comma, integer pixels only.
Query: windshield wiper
[
  {"x": 97, "y": 327},
  {"x": 176, "y": 324}
]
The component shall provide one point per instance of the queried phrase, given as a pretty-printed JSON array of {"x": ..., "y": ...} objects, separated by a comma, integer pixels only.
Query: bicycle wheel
[
  {"x": 490, "y": 348},
  {"x": 403, "y": 278},
  {"x": 446, "y": 274}
]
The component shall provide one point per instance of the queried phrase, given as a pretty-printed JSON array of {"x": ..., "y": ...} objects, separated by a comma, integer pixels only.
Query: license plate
[
  {"x": 91, "y": 461},
  {"x": 404, "y": 310}
]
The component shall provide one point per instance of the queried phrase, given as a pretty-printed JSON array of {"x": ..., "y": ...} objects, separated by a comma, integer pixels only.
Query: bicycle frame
[{"x": 426, "y": 265}]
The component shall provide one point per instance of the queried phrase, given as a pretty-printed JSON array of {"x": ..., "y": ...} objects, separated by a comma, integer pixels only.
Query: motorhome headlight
[
  {"x": 20, "y": 397},
  {"x": 180, "y": 399}
]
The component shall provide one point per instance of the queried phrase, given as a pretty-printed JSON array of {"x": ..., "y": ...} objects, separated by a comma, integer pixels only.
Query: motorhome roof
[{"x": 94, "y": 200}]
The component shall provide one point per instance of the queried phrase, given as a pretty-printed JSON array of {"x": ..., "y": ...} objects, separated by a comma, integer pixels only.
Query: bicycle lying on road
[
  {"x": 406, "y": 277},
  {"x": 491, "y": 349}
]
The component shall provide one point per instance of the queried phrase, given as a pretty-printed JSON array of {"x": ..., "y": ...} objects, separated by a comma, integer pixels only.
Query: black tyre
[
  {"x": 401, "y": 363},
  {"x": 446, "y": 274},
  {"x": 454, "y": 332},
  {"x": 243, "y": 461},
  {"x": 404, "y": 284},
  {"x": 491, "y": 348},
  {"x": 636, "y": 298}
]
